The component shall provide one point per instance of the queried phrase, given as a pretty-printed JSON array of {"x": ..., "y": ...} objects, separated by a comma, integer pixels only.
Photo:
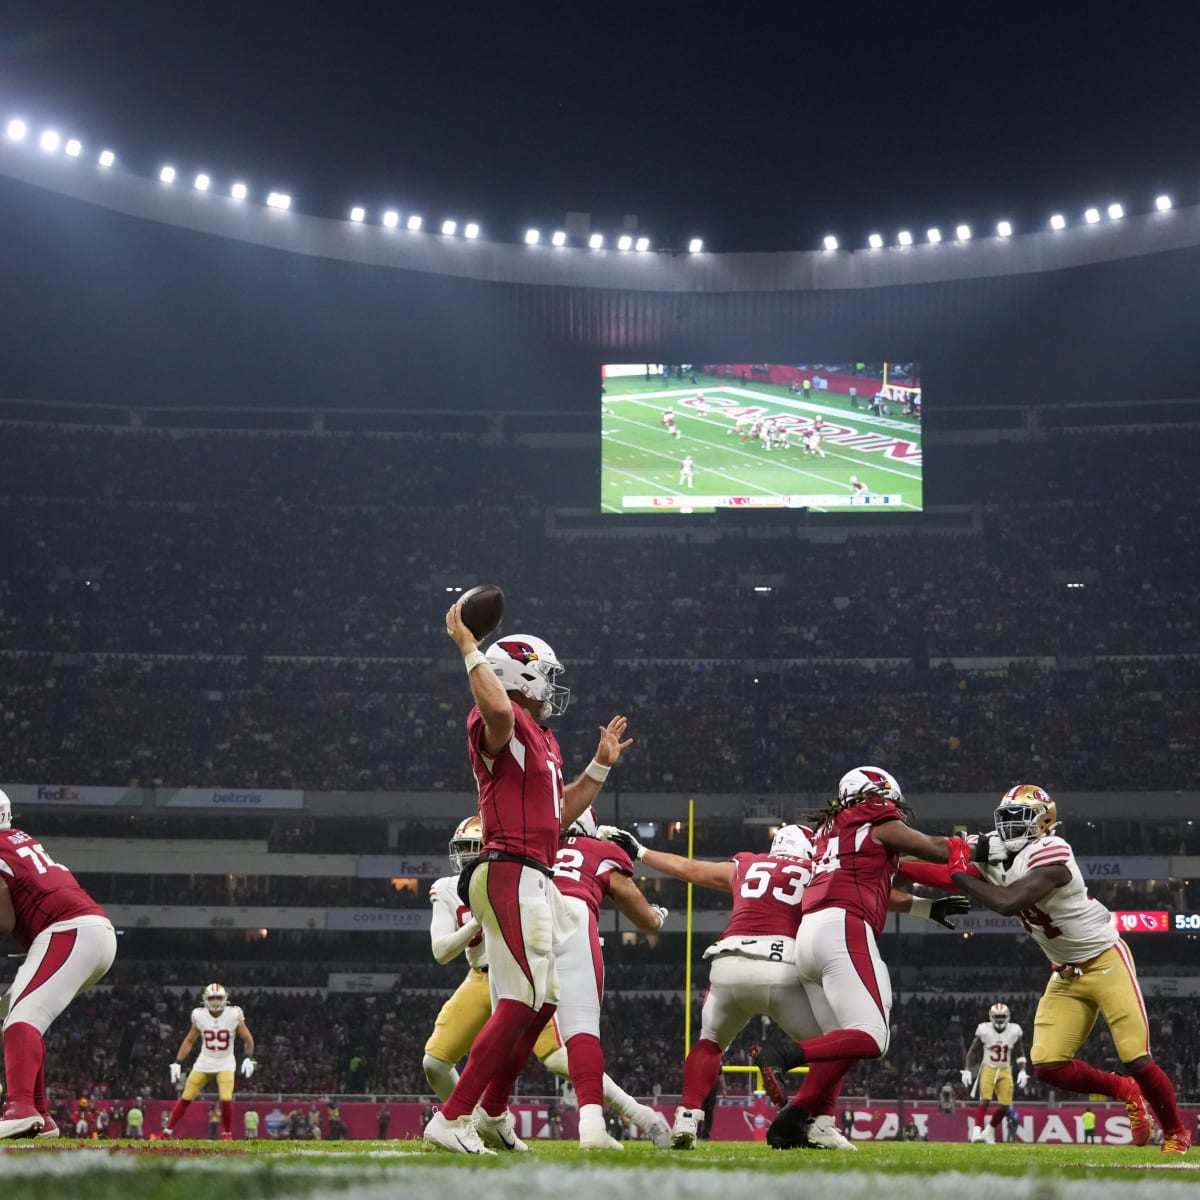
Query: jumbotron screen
[{"x": 690, "y": 438}]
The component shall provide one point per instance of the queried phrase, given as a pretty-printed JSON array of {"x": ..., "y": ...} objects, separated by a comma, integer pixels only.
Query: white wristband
[
  {"x": 472, "y": 660},
  {"x": 597, "y": 771},
  {"x": 920, "y": 907},
  {"x": 1021, "y": 1061}
]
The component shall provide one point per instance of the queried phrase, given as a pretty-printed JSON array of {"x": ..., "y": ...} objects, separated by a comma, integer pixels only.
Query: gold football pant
[
  {"x": 197, "y": 1081},
  {"x": 996, "y": 1083}
]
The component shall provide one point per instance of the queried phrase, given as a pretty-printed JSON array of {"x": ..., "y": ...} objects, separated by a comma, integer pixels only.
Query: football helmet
[
  {"x": 5, "y": 811},
  {"x": 584, "y": 825},
  {"x": 999, "y": 1015},
  {"x": 792, "y": 841},
  {"x": 214, "y": 998},
  {"x": 867, "y": 783},
  {"x": 526, "y": 664},
  {"x": 466, "y": 843},
  {"x": 1024, "y": 814}
]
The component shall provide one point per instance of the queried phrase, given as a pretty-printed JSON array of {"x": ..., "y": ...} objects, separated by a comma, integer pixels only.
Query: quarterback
[
  {"x": 214, "y": 1024},
  {"x": 999, "y": 1042},
  {"x": 1024, "y": 870}
]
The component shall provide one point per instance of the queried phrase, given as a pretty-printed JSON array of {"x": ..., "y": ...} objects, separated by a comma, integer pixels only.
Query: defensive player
[
  {"x": 668, "y": 422},
  {"x": 687, "y": 471},
  {"x": 860, "y": 837},
  {"x": 69, "y": 945},
  {"x": 525, "y": 806},
  {"x": 1025, "y": 871},
  {"x": 585, "y": 871},
  {"x": 858, "y": 489},
  {"x": 999, "y": 1042},
  {"x": 214, "y": 1025}
]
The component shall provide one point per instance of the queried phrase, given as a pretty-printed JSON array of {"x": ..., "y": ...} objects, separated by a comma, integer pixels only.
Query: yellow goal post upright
[{"x": 898, "y": 391}]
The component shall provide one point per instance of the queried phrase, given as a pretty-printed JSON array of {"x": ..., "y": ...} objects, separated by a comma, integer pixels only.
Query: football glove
[
  {"x": 948, "y": 906},
  {"x": 1022, "y": 1078},
  {"x": 967, "y": 1076},
  {"x": 662, "y": 914},
  {"x": 248, "y": 1067},
  {"x": 989, "y": 849},
  {"x": 176, "y": 1072},
  {"x": 622, "y": 838},
  {"x": 959, "y": 854}
]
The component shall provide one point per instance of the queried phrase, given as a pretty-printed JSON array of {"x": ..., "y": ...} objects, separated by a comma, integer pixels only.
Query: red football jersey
[
  {"x": 43, "y": 891},
  {"x": 584, "y": 866},
  {"x": 520, "y": 789},
  {"x": 766, "y": 895},
  {"x": 851, "y": 870}
]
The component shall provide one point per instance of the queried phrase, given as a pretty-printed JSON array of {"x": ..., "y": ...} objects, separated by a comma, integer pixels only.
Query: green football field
[
  {"x": 640, "y": 461},
  {"x": 558, "y": 1170}
]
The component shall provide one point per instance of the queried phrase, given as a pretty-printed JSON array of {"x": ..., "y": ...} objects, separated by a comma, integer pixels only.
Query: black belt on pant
[{"x": 490, "y": 856}]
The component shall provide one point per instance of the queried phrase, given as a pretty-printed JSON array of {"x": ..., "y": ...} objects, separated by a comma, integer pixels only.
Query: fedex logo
[{"x": 58, "y": 795}]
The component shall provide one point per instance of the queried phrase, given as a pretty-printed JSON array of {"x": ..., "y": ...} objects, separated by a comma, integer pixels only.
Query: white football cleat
[
  {"x": 500, "y": 1133},
  {"x": 49, "y": 1129},
  {"x": 593, "y": 1134},
  {"x": 458, "y": 1136},
  {"x": 686, "y": 1128},
  {"x": 653, "y": 1126},
  {"x": 824, "y": 1132},
  {"x": 976, "y": 1134},
  {"x": 989, "y": 1135}
]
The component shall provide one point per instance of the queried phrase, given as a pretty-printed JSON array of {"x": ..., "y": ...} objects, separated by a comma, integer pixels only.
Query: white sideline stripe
[{"x": 745, "y": 484}]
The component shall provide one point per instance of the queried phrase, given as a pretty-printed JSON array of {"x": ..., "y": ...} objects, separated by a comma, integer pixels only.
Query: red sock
[
  {"x": 585, "y": 1061},
  {"x": 39, "y": 1090},
  {"x": 818, "y": 1093},
  {"x": 226, "y": 1116},
  {"x": 180, "y": 1108},
  {"x": 997, "y": 1118},
  {"x": 489, "y": 1056},
  {"x": 500, "y": 1088},
  {"x": 1078, "y": 1076},
  {"x": 1160, "y": 1095},
  {"x": 700, "y": 1071},
  {"x": 980, "y": 1109},
  {"x": 24, "y": 1056},
  {"x": 841, "y": 1043}
]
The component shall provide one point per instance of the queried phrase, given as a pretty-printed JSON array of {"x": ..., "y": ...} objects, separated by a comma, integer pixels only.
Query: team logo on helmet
[{"x": 521, "y": 651}]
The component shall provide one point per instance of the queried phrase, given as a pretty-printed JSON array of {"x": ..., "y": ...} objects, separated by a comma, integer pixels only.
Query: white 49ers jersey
[
  {"x": 217, "y": 1035},
  {"x": 449, "y": 914},
  {"x": 998, "y": 1044},
  {"x": 1068, "y": 924}
]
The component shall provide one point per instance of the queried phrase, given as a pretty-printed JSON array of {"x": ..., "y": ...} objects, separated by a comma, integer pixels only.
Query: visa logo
[{"x": 1103, "y": 869}]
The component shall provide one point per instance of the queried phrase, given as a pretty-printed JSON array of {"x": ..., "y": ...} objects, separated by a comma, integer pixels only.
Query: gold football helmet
[
  {"x": 466, "y": 843},
  {"x": 999, "y": 1015},
  {"x": 1025, "y": 813}
]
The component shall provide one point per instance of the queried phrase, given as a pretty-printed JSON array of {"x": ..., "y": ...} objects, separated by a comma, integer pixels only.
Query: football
[{"x": 482, "y": 609}]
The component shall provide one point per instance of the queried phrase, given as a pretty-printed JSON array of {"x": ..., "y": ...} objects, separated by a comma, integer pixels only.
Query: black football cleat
[{"x": 789, "y": 1130}]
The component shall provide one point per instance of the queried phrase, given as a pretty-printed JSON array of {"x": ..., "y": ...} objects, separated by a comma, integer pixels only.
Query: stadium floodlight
[
  {"x": 875, "y": 241},
  {"x": 831, "y": 242},
  {"x": 559, "y": 238},
  {"x": 414, "y": 223},
  {"x": 1004, "y": 229},
  {"x": 49, "y": 141},
  {"x": 532, "y": 237},
  {"x": 624, "y": 242},
  {"x": 167, "y": 174},
  {"x": 449, "y": 228},
  {"x": 963, "y": 233},
  {"x": 643, "y": 244},
  {"x": 202, "y": 182},
  {"x": 107, "y": 158},
  {"x": 695, "y": 246},
  {"x": 391, "y": 219},
  {"x": 1115, "y": 212},
  {"x": 279, "y": 200},
  {"x": 73, "y": 148},
  {"x": 596, "y": 241},
  {"x": 1092, "y": 216},
  {"x": 471, "y": 230},
  {"x": 904, "y": 237},
  {"x": 1058, "y": 221},
  {"x": 16, "y": 130},
  {"x": 1162, "y": 203},
  {"x": 358, "y": 214},
  {"x": 239, "y": 191},
  {"x": 933, "y": 236}
]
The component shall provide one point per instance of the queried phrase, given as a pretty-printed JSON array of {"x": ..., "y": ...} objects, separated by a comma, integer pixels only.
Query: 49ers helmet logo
[{"x": 521, "y": 651}]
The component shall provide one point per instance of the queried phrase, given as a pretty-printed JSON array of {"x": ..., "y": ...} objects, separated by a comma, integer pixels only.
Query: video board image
[{"x": 693, "y": 438}]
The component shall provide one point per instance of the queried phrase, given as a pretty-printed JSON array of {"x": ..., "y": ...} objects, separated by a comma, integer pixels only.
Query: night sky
[{"x": 753, "y": 131}]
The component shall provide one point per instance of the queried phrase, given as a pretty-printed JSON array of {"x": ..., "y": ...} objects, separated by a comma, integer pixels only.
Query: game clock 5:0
[{"x": 1186, "y": 922}]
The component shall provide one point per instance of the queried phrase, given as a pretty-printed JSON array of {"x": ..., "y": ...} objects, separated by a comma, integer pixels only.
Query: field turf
[
  {"x": 716, "y": 1170},
  {"x": 638, "y": 457}
]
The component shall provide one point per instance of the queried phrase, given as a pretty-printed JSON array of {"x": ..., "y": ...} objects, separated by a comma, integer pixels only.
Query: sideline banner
[
  {"x": 237, "y": 798},
  {"x": 70, "y": 795}
]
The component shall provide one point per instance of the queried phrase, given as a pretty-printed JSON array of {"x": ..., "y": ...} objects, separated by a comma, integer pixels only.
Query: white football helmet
[
  {"x": 1025, "y": 813},
  {"x": 5, "y": 811},
  {"x": 867, "y": 783},
  {"x": 584, "y": 825},
  {"x": 526, "y": 664},
  {"x": 466, "y": 842},
  {"x": 792, "y": 841},
  {"x": 214, "y": 998},
  {"x": 999, "y": 1015}
]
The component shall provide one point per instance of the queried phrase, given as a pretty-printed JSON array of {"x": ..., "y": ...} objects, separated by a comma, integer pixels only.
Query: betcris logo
[
  {"x": 237, "y": 799},
  {"x": 58, "y": 795}
]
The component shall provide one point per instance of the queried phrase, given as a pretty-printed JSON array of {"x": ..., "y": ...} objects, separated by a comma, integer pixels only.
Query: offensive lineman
[
  {"x": 214, "y": 1024},
  {"x": 999, "y": 1042},
  {"x": 1024, "y": 870}
]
